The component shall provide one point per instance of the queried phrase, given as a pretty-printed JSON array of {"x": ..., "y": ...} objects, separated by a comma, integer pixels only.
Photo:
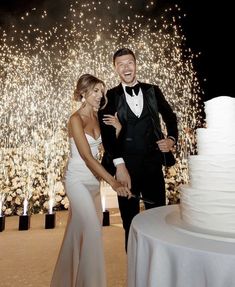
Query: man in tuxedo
[{"x": 134, "y": 156}]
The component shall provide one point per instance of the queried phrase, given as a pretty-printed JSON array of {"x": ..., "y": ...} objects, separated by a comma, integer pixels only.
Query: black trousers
[{"x": 147, "y": 180}]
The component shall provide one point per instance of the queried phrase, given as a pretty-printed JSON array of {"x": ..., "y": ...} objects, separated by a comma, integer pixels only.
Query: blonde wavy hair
[{"x": 85, "y": 84}]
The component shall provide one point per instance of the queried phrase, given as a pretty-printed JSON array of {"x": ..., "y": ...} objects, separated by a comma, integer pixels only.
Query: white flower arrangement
[
  {"x": 25, "y": 173},
  {"x": 175, "y": 176}
]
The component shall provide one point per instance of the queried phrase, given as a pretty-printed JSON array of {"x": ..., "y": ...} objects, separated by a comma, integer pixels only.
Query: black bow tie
[{"x": 135, "y": 88}]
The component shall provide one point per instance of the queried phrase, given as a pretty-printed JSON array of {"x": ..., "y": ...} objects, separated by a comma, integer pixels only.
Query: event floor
[{"x": 27, "y": 258}]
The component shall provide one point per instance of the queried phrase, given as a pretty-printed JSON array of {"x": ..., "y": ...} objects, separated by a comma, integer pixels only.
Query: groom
[{"x": 135, "y": 155}]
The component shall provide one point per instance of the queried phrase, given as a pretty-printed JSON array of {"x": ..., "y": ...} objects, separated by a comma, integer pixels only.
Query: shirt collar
[{"x": 125, "y": 85}]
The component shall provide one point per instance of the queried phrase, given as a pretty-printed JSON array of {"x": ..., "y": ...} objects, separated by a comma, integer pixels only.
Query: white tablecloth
[{"x": 161, "y": 253}]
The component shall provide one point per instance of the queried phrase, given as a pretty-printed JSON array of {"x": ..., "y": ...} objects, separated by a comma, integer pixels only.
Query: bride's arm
[
  {"x": 77, "y": 132},
  {"x": 113, "y": 121}
]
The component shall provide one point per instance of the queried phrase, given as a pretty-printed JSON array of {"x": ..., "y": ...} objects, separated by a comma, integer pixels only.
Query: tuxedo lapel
[
  {"x": 121, "y": 104},
  {"x": 150, "y": 97},
  {"x": 151, "y": 102}
]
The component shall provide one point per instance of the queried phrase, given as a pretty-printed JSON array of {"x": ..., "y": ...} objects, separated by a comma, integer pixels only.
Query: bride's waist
[
  {"x": 77, "y": 164},
  {"x": 80, "y": 173}
]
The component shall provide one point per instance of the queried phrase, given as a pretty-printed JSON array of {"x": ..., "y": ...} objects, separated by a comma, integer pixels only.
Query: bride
[{"x": 81, "y": 260}]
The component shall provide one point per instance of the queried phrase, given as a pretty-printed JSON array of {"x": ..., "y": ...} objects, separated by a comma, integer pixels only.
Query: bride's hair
[{"x": 85, "y": 84}]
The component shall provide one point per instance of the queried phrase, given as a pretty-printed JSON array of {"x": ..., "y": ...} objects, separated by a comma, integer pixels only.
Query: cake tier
[
  {"x": 210, "y": 210},
  {"x": 212, "y": 172},
  {"x": 209, "y": 201},
  {"x": 220, "y": 112},
  {"x": 214, "y": 141}
]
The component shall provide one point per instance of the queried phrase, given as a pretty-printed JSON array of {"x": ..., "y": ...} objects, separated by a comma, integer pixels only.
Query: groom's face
[{"x": 125, "y": 67}]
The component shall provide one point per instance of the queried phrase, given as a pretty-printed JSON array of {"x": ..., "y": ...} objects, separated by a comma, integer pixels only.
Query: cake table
[{"x": 164, "y": 252}]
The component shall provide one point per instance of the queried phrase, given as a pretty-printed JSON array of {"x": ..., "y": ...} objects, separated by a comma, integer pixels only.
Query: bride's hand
[
  {"x": 121, "y": 190},
  {"x": 113, "y": 121}
]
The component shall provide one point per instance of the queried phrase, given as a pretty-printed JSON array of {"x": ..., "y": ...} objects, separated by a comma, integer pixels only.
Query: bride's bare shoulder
[{"x": 75, "y": 117}]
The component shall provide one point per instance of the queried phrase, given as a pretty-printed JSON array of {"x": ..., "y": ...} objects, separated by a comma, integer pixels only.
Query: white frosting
[
  {"x": 216, "y": 141},
  {"x": 212, "y": 172},
  {"x": 208, "y": 209},
  {"x": 220, "y": 113},
  {"x": 208, "y": 201}
]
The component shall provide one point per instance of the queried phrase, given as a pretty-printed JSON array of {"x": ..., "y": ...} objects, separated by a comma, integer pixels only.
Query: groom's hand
[
  {"x": 165, "y": 145},
  {"x": 122, "y": 175}
]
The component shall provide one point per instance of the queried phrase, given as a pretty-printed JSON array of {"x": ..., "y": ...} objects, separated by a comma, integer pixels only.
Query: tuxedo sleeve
[
  {"x": 167, "y": 114},
  {"x": 108, "y": 132}
]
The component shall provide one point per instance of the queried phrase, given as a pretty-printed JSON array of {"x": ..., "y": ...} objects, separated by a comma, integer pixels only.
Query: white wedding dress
[{"x": 81, "y": 260}]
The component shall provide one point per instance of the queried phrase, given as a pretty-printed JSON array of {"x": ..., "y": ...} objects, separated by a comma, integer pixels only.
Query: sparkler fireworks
[{"x": 40, "y": 67}]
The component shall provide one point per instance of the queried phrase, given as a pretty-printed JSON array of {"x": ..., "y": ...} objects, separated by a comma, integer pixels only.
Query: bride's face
[{"x": 95, "y": 95}]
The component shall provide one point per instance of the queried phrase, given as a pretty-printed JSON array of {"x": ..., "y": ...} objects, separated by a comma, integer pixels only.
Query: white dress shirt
[{"x": 136, "y": 103}]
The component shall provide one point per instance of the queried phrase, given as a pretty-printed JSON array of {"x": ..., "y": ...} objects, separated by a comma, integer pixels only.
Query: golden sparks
[{"x": 40, "y": 65}]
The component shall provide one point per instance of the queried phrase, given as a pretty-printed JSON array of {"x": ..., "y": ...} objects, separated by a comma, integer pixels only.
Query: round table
[{"x": 163, "y": 252}]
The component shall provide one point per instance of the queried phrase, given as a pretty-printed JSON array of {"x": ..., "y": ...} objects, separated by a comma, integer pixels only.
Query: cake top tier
[{"x": 220, "y": 112}]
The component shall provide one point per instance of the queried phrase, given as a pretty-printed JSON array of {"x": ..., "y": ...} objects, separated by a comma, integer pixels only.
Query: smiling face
[
  {"x": 94, "y": 96},
  {"x": 125, "y": 66}
]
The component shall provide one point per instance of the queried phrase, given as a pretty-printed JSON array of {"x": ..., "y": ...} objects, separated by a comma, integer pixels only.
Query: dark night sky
[
  {"x": 207, "y": 29},
  {"x": 210, "y": 30}
]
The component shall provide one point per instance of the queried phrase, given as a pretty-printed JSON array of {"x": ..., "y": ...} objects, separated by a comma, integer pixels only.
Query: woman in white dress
[{"x": 81, "y": 260}]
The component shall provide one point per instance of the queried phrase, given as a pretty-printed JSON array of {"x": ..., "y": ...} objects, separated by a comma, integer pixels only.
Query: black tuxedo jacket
[{"x": 156, "y": 103}]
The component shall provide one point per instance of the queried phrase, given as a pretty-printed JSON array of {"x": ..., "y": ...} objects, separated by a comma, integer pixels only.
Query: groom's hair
[{"x": 122, "y": 52}]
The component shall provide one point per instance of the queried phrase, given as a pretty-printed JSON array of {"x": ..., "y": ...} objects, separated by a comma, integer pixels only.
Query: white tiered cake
[{"x": 208, "y": 202}]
